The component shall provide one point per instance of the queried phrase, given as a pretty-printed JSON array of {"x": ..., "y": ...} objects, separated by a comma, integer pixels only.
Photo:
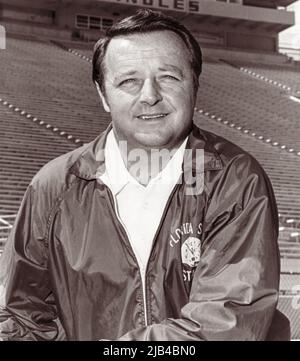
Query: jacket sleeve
[
  {"x": 234, "y": 291},
  {"x": 27, "y": 307}
]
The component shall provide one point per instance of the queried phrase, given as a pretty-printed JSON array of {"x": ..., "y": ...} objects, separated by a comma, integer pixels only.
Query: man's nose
[{"x": 150, "y": 92}]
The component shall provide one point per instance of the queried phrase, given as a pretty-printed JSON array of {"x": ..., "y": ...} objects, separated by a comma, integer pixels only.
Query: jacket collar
[
  {"x": 91, "y": 163},
  {"x": 198, "y": 140}
]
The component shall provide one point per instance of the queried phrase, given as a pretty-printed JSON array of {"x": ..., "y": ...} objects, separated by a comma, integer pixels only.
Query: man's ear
[{"x": 102, "y": 97}]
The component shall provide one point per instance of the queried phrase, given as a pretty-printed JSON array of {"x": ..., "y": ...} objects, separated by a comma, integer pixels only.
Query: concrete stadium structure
[{"x": 232, "y": 24}]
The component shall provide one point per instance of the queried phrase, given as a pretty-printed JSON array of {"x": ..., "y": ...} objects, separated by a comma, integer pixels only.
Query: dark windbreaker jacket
[{"x": 68, "y": 270}]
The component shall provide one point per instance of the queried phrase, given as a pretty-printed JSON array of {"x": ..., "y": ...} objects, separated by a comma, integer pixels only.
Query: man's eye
[
  {"x": 170, "y": 77},
  {"x": 128, "y": 81}
]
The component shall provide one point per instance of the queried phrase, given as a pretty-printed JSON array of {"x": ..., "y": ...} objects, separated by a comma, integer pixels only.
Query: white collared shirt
[{"x": 139, "y": 208}]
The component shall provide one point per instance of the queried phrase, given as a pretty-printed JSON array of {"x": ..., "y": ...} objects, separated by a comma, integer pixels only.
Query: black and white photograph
[{"x": 149, "y": 172}]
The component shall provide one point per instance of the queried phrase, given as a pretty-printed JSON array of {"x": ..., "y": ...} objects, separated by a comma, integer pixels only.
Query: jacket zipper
[
  {"x": 142, "y": 271},
  {"x": 153, "y": 244}
]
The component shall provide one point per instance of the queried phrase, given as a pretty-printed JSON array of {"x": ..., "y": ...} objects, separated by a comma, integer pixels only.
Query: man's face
[{"x": 149, "y": 89}]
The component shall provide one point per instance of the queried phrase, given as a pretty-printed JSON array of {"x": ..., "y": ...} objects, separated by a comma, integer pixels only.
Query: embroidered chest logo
[
  {"x": 191, "y": 251},
  {"x": 187, "y": 237}
]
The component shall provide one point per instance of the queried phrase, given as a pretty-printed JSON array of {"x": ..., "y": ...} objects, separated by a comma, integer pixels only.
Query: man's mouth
[{"x": 152, "y": 116}]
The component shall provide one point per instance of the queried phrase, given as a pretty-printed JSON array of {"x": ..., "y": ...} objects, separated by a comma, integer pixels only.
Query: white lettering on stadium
[{"x": 177, "y": 5}]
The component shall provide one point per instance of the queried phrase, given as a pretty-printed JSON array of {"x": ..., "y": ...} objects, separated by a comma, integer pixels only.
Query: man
[{"x": 109, "y": 245}]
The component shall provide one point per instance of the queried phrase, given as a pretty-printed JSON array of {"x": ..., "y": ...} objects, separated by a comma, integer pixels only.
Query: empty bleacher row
[
  {"x": 82, "y": 121},
  {"x": 249, "y": 103},
  {"x": 82, "y": 52},
  {"x": 24, "y": 148},
  {"x": 41, "y": 69},
  {"x": 286, "y": 76}
]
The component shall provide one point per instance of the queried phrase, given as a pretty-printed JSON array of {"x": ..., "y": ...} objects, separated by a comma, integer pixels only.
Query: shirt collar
[
  {"x": 90, "y": 164},
  {"x": 115, "y": 168},
  {"x": 199, "y": 140},
  {"x": 173, "y": 168},
  {"x": 118, "y": 175}
]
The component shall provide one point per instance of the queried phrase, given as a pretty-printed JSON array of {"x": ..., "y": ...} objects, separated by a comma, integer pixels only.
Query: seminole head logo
[{"x": 191, "y": 251}]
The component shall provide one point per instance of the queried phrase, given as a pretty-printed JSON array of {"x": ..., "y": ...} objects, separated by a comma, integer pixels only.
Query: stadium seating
[
  {"x": 249, "y": 103},
  {"x": 287, "y": 75},
  {"x": 25, "y": 147},
  {"x": 50, "y": 106}
]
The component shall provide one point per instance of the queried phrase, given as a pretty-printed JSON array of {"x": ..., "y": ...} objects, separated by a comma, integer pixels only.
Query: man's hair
[{"x": 146, "y": 21}]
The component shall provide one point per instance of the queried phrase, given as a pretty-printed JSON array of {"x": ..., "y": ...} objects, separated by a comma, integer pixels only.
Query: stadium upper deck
[{"x": 241, "y": 24}]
